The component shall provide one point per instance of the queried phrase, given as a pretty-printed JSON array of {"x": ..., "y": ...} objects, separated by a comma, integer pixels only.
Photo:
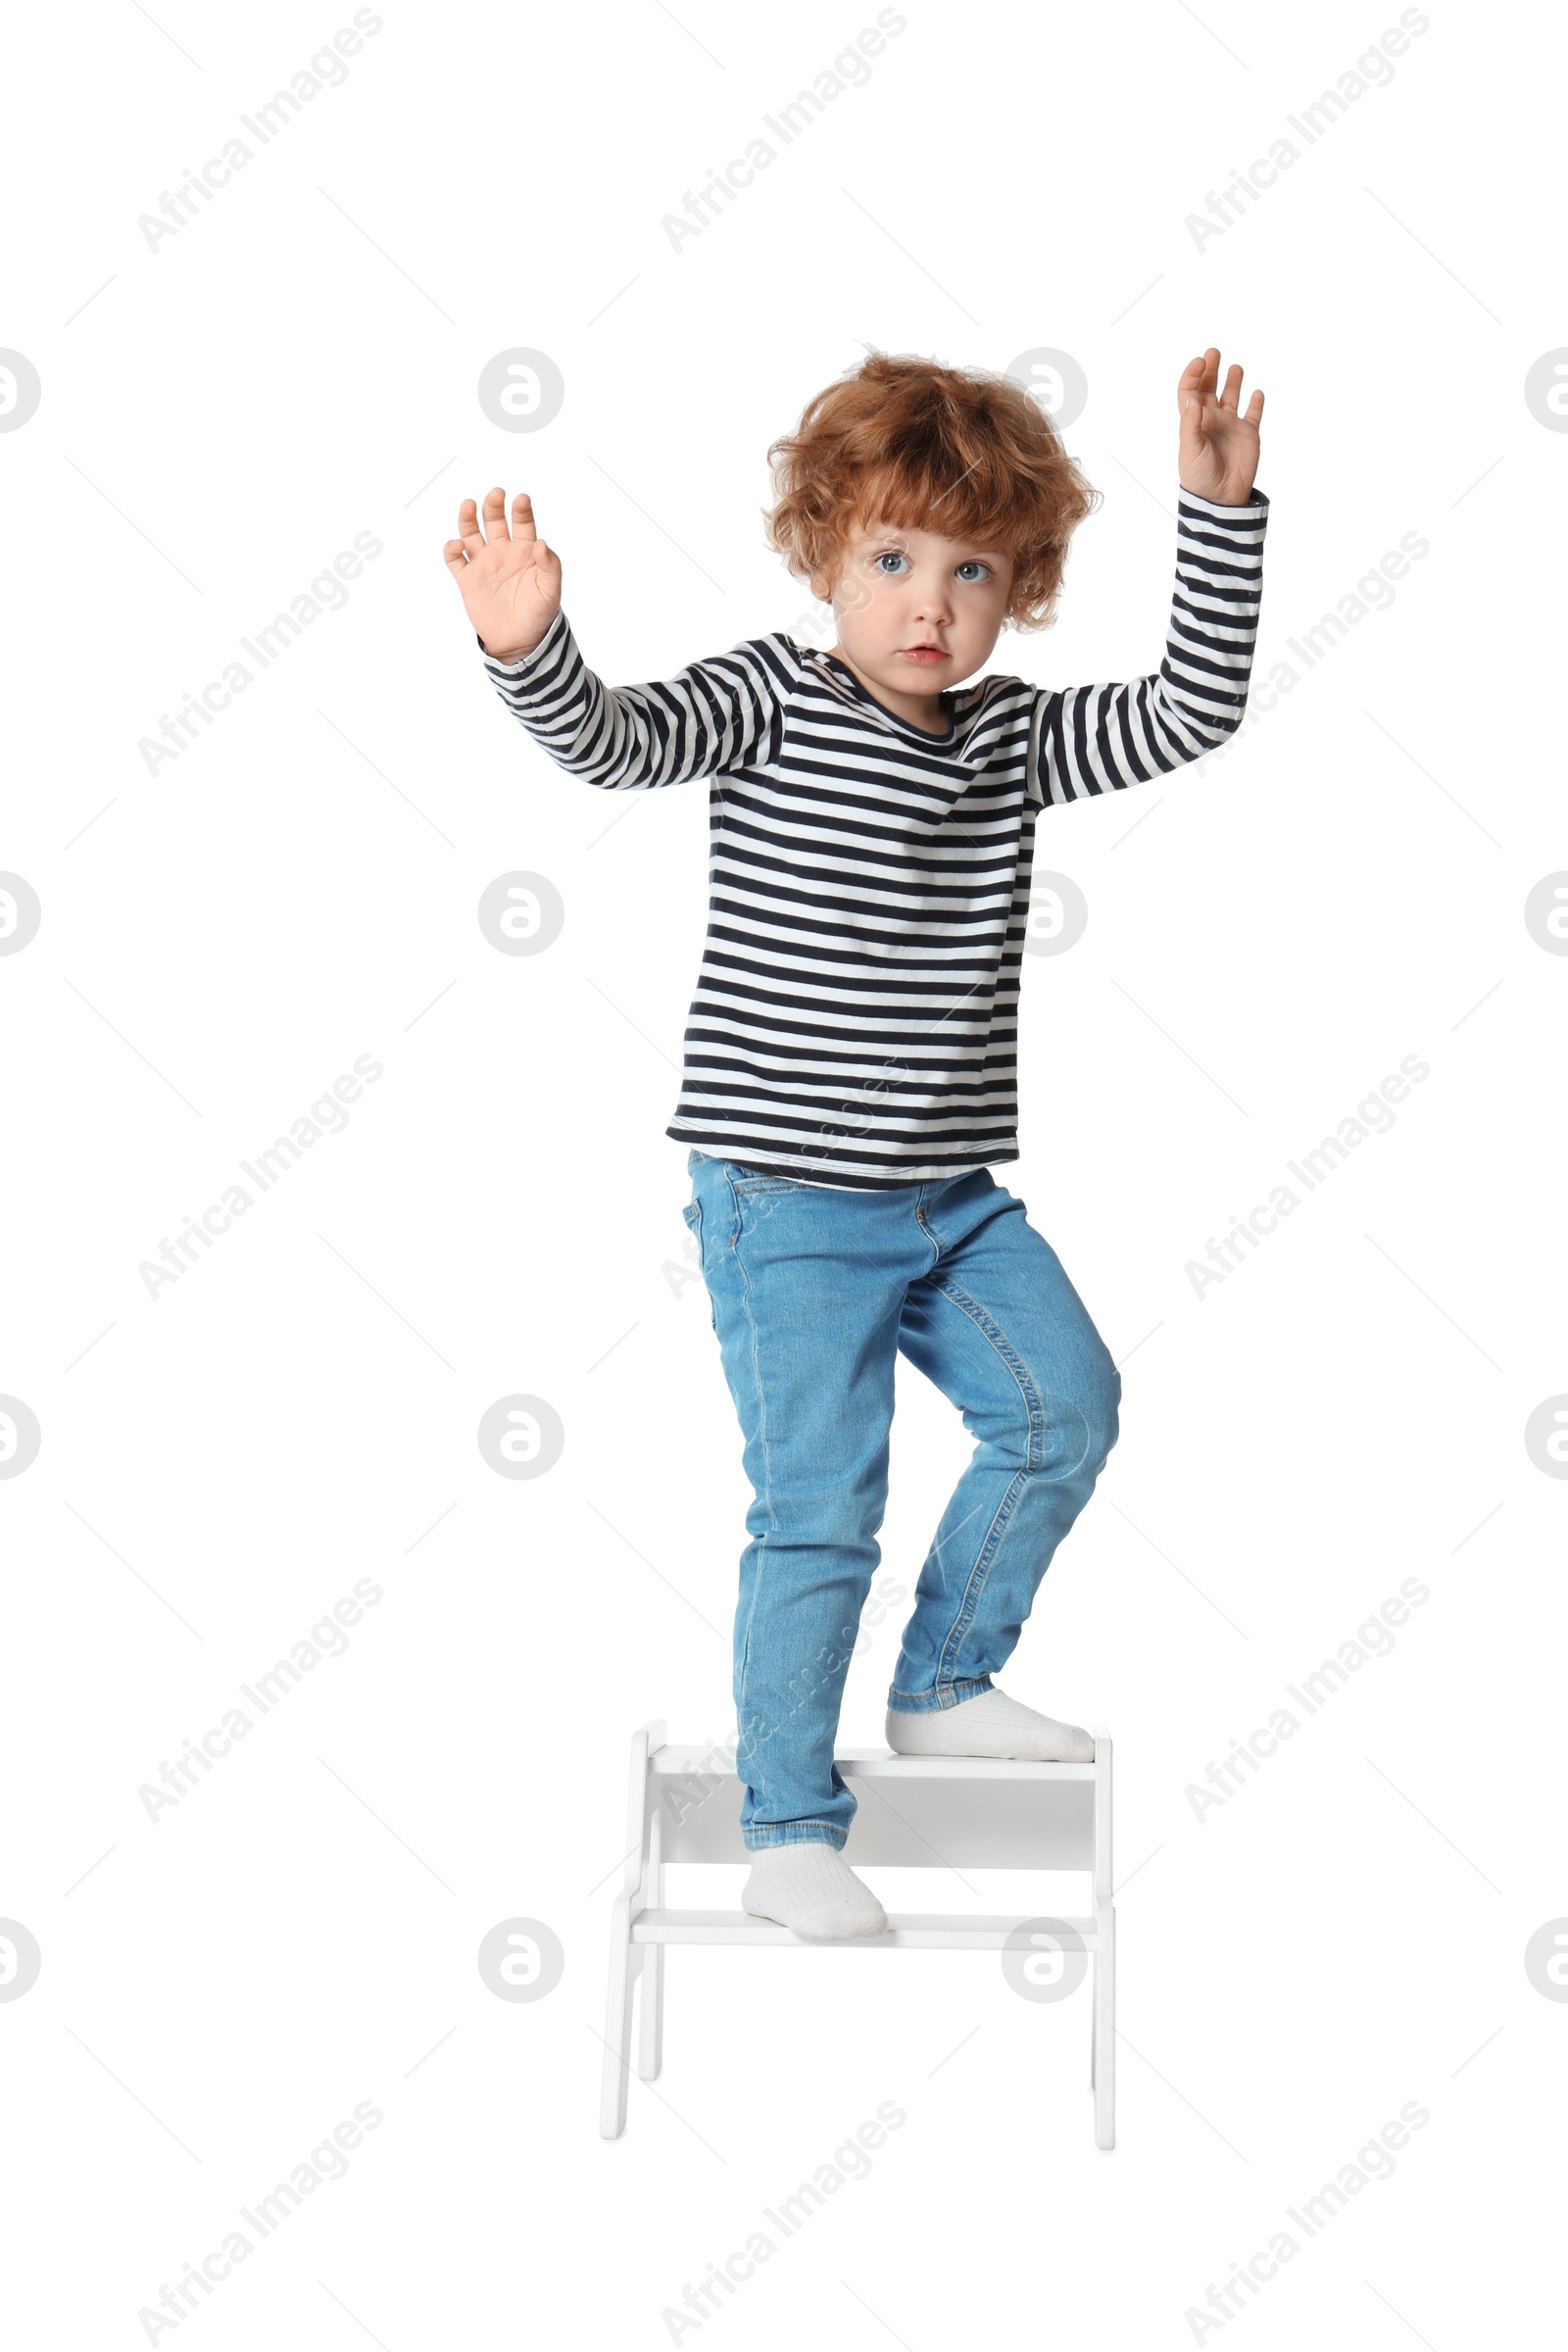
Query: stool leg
[
  {"x": 651, "y": 2000},
  {"x": 651, "y": 2007},
  {"x": 623, "y": 1959},
  {"x": 1104, "y": 2031},
  {"x": 1094, "y": 2020}
]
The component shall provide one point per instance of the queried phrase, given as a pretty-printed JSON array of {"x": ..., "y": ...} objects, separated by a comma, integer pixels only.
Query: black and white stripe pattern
[{"x": 856, "y": 1016}]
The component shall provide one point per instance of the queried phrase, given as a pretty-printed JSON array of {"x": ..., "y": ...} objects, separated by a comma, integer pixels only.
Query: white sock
[
  {"x": 811, "y": 1889},
  {"x": 992, "y": 1724}
]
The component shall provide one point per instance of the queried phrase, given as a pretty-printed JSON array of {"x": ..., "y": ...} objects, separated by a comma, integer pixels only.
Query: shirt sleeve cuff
[
  {"x": 546, "y": 646},
  {"x": 1209, "y": 505}
]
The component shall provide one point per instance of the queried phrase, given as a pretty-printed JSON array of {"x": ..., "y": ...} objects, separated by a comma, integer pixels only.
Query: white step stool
[{"x": 914, "y": 1811}]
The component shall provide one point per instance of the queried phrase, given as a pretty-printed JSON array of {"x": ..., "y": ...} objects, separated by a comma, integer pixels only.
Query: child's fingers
[
  {"x": 1199, "y": 376},
  {"x": 1254, "y": 409},
  {"x": 495, "y": 515},
  {"x": 1231, "y": 397},
  {"x": 469, "y": 530},
  {"x": 455, "y": 555},
  {"x": 1200, "y": 380},
  {"x": 522, "y": 522}
]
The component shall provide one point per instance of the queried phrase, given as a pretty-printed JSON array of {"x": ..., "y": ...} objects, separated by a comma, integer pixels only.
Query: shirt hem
[{"x": 869, "y": 1180}]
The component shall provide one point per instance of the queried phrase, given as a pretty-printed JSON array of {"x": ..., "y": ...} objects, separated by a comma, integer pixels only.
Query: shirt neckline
[{"x": 905, "y": 726}]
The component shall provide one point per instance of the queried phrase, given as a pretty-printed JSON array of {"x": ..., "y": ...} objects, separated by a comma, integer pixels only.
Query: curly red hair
[{"x": 920, "y": 447}]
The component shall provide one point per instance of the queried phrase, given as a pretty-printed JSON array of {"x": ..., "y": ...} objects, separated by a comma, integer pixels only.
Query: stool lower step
[{"x": 907, "y": 1931}]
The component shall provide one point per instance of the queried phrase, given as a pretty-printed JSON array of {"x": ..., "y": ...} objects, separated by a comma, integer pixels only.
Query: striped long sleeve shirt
[{"x": 856, "y": 1015}]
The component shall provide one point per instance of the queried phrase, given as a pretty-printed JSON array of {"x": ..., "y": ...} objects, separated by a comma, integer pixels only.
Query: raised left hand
[{"x": 1218, "y": 451}]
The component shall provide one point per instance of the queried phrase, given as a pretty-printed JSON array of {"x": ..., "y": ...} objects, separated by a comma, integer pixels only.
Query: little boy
[{"x": 850, "y": 1055}]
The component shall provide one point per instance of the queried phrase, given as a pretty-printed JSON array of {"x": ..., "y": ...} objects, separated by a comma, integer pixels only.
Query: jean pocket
[{"x": 746, "y": 1181}]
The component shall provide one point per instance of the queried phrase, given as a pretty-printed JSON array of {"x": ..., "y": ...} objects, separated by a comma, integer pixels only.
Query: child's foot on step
[
  {"x": 811, "y": 1889},
  {"x": 992, "y": 1724}
]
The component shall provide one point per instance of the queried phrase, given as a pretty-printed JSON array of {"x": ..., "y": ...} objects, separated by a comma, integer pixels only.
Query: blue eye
[{"x": 972, "y": 565}]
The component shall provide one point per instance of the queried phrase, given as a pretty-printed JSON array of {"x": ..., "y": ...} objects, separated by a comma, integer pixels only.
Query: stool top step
[
  {"x": 880, "y": 1763},
  {"x": 929, "y": 1930},
  {"x": 923, "y": 1811}
]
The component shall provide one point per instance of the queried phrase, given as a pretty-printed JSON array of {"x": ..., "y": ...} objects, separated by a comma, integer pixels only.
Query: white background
[{"x": 502, "y": 1212}]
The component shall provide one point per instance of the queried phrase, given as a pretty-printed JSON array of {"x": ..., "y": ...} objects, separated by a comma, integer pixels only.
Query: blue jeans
[{"x": 815, "y": 1294}]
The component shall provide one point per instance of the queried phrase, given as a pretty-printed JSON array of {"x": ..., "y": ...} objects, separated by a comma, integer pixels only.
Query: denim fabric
[{"x": 815, "y": 1292}]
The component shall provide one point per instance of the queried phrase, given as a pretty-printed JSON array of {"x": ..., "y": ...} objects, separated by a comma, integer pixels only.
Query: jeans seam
[
  {"x": 766, "y": 1497},
  {"x": 814, "y": 1834},
  {"x": 946, "y": 1662},
  {"x": 1010, "y": 1357},
  {"x": 952, "y": 1643}
]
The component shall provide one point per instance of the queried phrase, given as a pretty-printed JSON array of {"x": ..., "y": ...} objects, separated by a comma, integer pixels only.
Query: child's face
[{"x": 917, "y": 612}]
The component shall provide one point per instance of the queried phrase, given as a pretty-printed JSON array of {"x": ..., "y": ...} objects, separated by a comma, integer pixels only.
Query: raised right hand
[{"x": 510, "y": 580}]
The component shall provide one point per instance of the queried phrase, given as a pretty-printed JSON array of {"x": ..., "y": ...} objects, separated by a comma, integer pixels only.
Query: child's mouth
[{"x": 922, "y": 653}]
